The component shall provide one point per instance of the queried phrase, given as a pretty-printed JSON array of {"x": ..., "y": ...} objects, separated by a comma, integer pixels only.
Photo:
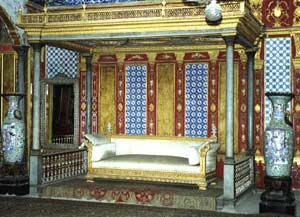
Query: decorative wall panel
[
  {"x": 277, "y": 69},
  {"x": 242, "y": 105},
  {"x": 196, "y": 96},
  {"x": 95, "y": 87},
  {"x": 120, "y": 99},
  {"x": 278, "y": 13},
  {"x": 213, "y": 102},
  {"x": 258, "y": 121},
  {"x": 151, "y": 99},
  {"x": 179, "y": 99},
  {"x": 107, "y": 98},
  {"x": 136, "y": 79},
  {"x": 165, "y": 99},
  {"x": 61, "y": 61},
  {"x": 82, "y": 98}
]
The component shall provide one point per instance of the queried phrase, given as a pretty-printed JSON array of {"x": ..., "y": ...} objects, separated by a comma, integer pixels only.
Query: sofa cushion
[{"x": 159, "y": 147}]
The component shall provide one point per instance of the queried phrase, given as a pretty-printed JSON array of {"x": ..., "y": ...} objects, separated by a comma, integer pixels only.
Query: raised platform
[{"x": 138, "y": 193}]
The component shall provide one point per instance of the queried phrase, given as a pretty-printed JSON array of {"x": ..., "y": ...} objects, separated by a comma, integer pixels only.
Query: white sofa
[{"x": 172, "y": 159}]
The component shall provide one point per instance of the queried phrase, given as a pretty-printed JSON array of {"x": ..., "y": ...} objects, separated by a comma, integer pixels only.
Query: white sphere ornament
[{"x": 213, "y": 11}]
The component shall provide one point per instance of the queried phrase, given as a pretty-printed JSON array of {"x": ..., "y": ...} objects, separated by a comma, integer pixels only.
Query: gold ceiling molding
[
  {"x": 121, "y": 13},
  {"x": 138, "y": 21}
]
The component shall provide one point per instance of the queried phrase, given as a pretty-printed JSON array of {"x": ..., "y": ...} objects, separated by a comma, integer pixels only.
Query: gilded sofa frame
[{"x": 203, "y": 179}]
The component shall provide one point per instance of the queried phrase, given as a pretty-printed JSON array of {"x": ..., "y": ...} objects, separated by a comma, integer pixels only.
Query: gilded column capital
[
  {"x": 296, "y": 63},
  {"x": 120, "y": 57},
  {"x": 243, "y": 55},
  {"x": 259, "y": 64},
  {"x": 151, "y": 57},
  {"x": 213, "y": 55},
  {"x": 180, "y": 56}
]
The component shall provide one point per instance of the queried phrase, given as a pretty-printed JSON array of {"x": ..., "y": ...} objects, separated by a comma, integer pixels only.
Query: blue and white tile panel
[
  {"x": 136, "y": 92},
  {"x": 80, "y": 2},
  {"x": 61, "y": 61},
  {"x": 196, "y": 96},
  {"x": 277, "y": 69}
]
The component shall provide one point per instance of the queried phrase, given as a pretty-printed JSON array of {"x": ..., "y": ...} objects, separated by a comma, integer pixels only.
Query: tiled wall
[
  {"x": 135, "y": 114},
  {"x": 196, "y": 99},
  {"x": 61, "y": 61},
  {"x": 277, "y": 69}
]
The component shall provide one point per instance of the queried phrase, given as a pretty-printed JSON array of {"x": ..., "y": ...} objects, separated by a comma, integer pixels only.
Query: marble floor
[{"x": 250, "y": 203}]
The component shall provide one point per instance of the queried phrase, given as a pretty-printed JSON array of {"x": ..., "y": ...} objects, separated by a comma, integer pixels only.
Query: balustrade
[
  {"x": 66, "y": 164},
  {"x": 65, "y": 139}
]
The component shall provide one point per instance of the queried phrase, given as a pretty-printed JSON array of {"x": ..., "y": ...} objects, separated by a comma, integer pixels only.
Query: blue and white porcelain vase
[
  {"x": 279, "y": 150},
  {"x": 13, "y": 131}
]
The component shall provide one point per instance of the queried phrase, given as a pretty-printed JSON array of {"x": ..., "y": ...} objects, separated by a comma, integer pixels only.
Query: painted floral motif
[
  {"x": 98, "y": 193},
  {"x": 277, "y": 147},
  {"x": 144, "y": 196},
  {"x": 120, "y": 195}
]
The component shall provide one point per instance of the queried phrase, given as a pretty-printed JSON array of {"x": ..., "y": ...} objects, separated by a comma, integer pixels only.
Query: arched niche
[{"x": 48, "y": 86}]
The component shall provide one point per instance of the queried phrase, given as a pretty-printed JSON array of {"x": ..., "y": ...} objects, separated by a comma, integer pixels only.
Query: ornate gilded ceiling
[{"x": 151, "y": 24}]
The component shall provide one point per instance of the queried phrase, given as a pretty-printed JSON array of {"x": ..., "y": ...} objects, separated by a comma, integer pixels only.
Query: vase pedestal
[
  {"x": 278, "y": 197},
  {"x": 14, "y": 179}
]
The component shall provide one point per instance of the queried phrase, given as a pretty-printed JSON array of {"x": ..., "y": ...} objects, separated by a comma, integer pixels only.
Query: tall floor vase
[
  {"x": 14, "y": 178},
  {"x": 278, "y": 155},
  {"x": 13, "y": 131}
]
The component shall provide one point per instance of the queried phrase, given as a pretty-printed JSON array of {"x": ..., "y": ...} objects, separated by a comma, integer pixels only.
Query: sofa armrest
[
  {"x": 99, "y": 147},
  {"x": 208, "y": 157},
  {"x": 96, "y": 139}
]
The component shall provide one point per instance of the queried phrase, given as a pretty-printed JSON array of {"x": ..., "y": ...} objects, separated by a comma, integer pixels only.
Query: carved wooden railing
[
  {"x": 243, "y": 176},
  {"x": 63, "y": 165},
  {"x": 64, "y": 139}
]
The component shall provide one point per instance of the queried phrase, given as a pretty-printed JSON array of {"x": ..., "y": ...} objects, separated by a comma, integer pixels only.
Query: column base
[{"x": 278, "y": 197}]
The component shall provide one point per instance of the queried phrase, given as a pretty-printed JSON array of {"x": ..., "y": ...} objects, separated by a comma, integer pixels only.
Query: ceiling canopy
[{"x": 159, "y": 25}]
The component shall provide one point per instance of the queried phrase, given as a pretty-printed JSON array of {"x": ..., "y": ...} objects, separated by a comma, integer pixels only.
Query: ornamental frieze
[{"x": 123, "y": 13}]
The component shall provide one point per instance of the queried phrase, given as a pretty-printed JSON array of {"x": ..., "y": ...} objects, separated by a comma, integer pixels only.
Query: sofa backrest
[{"x": 163, "y": 147}]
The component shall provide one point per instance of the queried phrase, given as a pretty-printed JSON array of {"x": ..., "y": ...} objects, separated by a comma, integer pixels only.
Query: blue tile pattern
[
  {"x": 196, "y": 95},
  {"x": 61, "y": 61},
  {"x": 136, "y": 93},
  {"x": 277, "y": 69},
  {"x": 80, "y": 2}
]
